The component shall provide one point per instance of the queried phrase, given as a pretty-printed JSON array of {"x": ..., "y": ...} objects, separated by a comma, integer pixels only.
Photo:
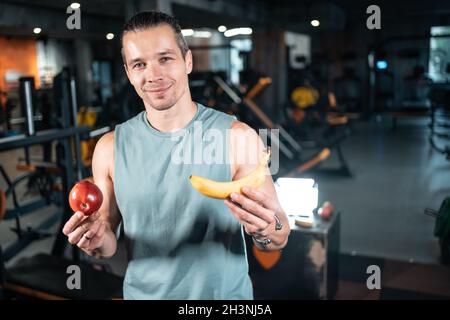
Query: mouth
[{"x": 158, "y": 90}]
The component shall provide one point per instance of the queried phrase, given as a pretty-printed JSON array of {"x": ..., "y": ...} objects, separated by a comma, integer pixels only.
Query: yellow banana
[{"x": 222, "y": 190}]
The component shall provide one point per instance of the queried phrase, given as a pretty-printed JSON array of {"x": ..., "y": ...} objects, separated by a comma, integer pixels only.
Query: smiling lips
[{"x": 158, "y": 90}]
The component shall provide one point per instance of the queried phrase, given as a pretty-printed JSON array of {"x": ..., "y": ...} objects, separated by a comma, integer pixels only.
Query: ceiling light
[
  {"x": 315, "y": 23},
  {"x": 187, "y": 32},
  {"x": 37, "y": 30},
  {"x": 75, "y": 5},
  {"x": 202, "y": 34},
  {"x": 110, "y": 36},
  {"x": 238, "y": 31}
]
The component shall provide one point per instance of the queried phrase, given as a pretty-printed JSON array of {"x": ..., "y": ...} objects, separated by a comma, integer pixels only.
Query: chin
[{"x": 161, "y": 105}]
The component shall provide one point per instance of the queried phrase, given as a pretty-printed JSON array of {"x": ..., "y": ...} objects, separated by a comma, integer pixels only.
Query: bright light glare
[
  {"x": 187, "y": 32},
  {"x": 297, "y": 196},
  {"x": 382, "y": 64},
  {"x": 238, "y": 31},
  {"x": 202, "y": 34}
]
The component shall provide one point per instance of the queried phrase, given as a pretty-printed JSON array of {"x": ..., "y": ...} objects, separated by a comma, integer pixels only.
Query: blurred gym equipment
[
  {"x": 439, "y": 135},
  {"x": 315, "y": 120},
  {"x": 442, "y": 228},
  {"x": 44, "y": 276},
  {"x": 215, "y": 92}
]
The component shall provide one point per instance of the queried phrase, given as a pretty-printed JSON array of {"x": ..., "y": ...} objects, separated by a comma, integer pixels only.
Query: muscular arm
[
  {"x": 103, "y": 171},
  {"x": 257, "y": 207}
]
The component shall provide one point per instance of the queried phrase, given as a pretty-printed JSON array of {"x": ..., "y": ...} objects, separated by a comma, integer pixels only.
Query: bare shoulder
[
  {"x": 107, "y": 137},
  {"x": 239, "y": 126},
  {"x": 246, "y": 148},
  {"x": 104, "y": 153},
  {"x": 106, "y": 143},
  {"x": 245, "y": 135}
]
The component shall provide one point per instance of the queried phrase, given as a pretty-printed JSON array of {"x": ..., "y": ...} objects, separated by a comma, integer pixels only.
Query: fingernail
[
  {"x": 80, "y": 215},
  {"x": 246, "y": 189},
  {"x": 234, "y": 196}
]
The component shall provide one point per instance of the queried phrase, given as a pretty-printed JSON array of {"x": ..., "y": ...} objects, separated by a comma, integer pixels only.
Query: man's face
[{"x": 155, "y": 66}]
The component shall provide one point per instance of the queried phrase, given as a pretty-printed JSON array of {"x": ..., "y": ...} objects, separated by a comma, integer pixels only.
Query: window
[{"x": 439, "y": 59}]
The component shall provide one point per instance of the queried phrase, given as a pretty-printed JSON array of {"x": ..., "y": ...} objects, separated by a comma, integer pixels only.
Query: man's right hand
[{"x": 87, "y": 232}]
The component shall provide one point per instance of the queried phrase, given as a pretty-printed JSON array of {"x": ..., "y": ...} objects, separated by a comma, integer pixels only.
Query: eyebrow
[
  {"x": 165, "y": 52},
  {"x": 162, "y": 53},
  {"x": 133, "y": 61}
]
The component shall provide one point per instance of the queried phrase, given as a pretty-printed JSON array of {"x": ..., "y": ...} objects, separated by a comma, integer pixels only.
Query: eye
[
  {"x": 138, "y": 65},
  {"x": 165, "y": 59}
]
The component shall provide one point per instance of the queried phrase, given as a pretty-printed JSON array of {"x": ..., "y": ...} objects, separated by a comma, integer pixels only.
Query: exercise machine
[
  {"x": 44, "y": 276},
  {"x": 439, "y": 134},
  {"x": 215, "y": 92}
]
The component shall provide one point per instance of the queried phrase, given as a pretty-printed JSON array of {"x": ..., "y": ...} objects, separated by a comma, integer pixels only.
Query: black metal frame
[
  {"x": 66, "y": 98},
  {"x": 69, "y": 168}
]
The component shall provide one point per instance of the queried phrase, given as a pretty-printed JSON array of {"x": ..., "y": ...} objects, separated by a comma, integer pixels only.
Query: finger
[
  {"x": 256, "y": 195},
  {"x": 86, "y": 239},
  {"x": 73, "y": 222},
  {"x": 83, "y": 243},
  {"x": 92, "y": 231},
  {"x": 249, "y": 229},
  {"x": 228, "y": 204},
  {"x": 98, "y": 237},
  {"x": 253, "y": 207},
  {"x": 94, "y": 217},
  {"x": 83, "y": 227},
  {"x": 253, "y": 231},
  {"x": 76, "y": 235},
  {"x": 101, "y": 231},
  {"x": 261, "y": 197},
  {"x": 89, "y": 252},
  {"x": 246, "y": 217}
]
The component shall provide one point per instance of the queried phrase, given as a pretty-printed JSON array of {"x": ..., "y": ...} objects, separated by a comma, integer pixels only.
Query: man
[{"x": 180, "y": 244}]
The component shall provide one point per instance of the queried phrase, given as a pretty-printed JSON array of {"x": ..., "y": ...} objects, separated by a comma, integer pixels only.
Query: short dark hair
[{"x": 150, "y": 19}]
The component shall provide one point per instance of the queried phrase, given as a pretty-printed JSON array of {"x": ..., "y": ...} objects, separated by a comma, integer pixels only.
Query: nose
[{"x": 153, "y": 74}]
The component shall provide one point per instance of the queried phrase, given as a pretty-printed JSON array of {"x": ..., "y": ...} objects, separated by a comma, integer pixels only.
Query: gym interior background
[{"x": 360, "y": 96}]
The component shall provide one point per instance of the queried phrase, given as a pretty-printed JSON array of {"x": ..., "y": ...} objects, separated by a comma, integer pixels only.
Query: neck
[{"x": 173, "y": 119}]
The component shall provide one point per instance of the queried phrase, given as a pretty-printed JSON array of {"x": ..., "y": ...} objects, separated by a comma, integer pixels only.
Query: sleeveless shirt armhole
[{"x": 233, "y": 119}]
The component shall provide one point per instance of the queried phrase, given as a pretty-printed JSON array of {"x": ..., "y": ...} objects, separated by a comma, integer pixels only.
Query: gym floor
[{"x": 396, "y": 175}]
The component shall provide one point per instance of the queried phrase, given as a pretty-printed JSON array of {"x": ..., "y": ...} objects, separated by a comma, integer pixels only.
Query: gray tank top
[{"x": 180, "y": 244}]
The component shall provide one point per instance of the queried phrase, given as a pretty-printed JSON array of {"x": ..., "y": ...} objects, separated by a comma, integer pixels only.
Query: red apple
[
  {"x": 326, "y": 210},
  {"x": 85, "y": 197}
]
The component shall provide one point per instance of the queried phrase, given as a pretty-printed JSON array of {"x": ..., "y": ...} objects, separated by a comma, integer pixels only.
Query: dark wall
[{"x": 402, "y": 41}]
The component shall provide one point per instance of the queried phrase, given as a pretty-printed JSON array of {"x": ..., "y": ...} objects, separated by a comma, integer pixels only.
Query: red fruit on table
[
  {"x": 85, "y": 197},
  {"x": 326, "y": 210}
]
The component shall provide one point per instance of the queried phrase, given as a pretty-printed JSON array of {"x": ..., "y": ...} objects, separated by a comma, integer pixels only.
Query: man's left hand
[{"x": 256, "y": 212}]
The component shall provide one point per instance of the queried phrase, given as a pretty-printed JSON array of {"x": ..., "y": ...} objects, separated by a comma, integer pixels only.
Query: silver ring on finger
[{"x": 278, "y": 224}]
